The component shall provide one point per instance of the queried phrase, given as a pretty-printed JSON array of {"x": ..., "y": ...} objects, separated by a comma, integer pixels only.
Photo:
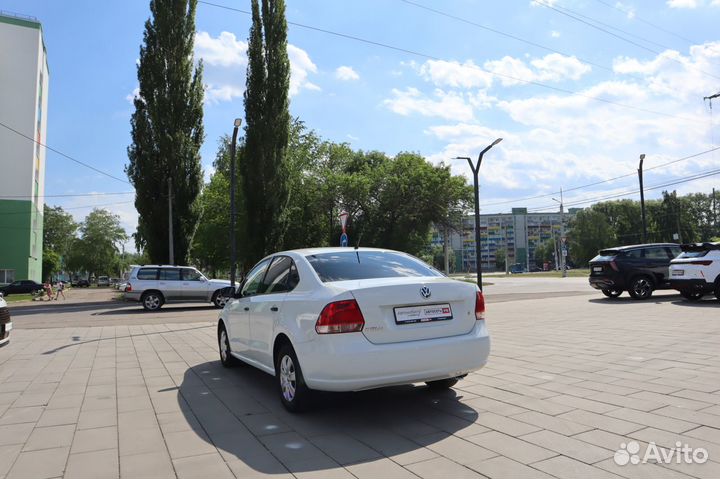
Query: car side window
[
  {"x": 633, "y": 254},
  {"x": 293, "y": 277},
  {"x": 674, "y": 252},
  {"x": 276, "y": 279},
  {"x": 254, "y": 281},
  {"x": 169, "y": 274},
  {"x": 656, "y": 253},
  {"x": 147, "y": 274},
  {"x": 190, "y": 274}
]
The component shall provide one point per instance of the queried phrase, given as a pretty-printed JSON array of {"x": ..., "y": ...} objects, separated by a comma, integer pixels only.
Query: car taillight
[
  {"x": 128, "y": 288},
  {"x": 480, "y": 306},
  {"x": 613, "y": 265},
  {"x": 340, "y": 317},
  {"x": 704, "y": 262}
]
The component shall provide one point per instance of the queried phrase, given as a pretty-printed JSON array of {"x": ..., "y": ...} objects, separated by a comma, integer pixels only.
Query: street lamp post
[
  {"x": 476, "y": 170},
  {"x": 233, "y": 213},
  {"x": 563, "y": 241},
  {"x": 642, "y": 199}
]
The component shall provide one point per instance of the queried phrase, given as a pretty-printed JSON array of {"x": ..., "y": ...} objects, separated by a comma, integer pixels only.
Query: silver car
[{"x": 155, "y": 285}]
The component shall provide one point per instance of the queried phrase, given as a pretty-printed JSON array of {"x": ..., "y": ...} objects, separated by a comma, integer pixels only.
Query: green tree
[
  {"x": 590, "y": 232},
  {"x": 59, "y": 229},
  {"x": 96, "y": 250},
  {"x": 671, "y": 216},
  {"x": 264, "y": 174},
  {"x": 51, "y": 264},
  {"x": 545, "y": 252},
  {"x": 167, "y": 130}
]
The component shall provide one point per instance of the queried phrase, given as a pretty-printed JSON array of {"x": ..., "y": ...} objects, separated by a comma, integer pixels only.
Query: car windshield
[
  {"x": 351, "y": 265},
  {"x": 605, "y": 255}
]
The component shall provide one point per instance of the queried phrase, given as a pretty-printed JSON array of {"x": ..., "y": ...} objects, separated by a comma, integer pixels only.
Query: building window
[{"x": 7, "y": 276}]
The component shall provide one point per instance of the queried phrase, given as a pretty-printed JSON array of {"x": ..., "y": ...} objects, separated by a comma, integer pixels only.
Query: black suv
[{"x": 637, "y": 269}]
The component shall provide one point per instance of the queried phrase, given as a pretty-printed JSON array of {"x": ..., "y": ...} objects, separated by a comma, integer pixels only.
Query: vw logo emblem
[{"x": 425, "y": 292}]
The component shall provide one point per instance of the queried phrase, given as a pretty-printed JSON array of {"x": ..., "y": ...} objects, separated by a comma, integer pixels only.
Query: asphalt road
[{"x": 97, "y": 307}]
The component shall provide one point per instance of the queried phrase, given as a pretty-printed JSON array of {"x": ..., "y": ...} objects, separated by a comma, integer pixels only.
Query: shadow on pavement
[
  {"x": 54, "y": 307},
  {"x": 626, "y": 300},
  {"x": 136, "y": 308},
  {"x": 238, "y": 411}
]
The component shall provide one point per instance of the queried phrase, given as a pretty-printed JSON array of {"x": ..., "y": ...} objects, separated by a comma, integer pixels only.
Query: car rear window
[
  {"x": 692, "y": 254},
  {"x": 147, "y": 273},
  {"x": 353, "y": 265}
]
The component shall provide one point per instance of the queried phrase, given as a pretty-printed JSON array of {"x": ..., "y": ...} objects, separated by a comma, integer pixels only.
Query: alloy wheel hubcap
[
  {"x": 642, "y": 287},
  {"x": 223, "y": 346},
  {"x": 287, "y": 378},
  {"x": 221, "y": 300},
  {"x": 152, "y": 301}
]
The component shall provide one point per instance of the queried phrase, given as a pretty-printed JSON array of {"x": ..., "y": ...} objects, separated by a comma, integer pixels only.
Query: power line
[
  {"x": 576, "y": 16},
  {"x": 686, "y": 179},
  {"x": 639, "y": 18},
  {"x": 63, "y": 154},
  {"x": 475, "y": 67},
  {"x": 505, "y": 34},
  {"x": 546, "y": 195},
  {"x": 71, "y": 208}
]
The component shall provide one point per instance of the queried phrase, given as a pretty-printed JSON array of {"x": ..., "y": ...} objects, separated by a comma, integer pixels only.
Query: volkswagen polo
[{"x": 341, "y": 319}]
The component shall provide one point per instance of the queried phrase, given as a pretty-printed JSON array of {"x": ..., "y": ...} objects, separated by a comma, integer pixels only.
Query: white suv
[
  {"x": 696, "y": 272},
  {"x": 155, "y": 285}
]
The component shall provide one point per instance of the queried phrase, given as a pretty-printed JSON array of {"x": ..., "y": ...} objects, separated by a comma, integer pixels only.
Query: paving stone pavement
[{"x": 569, "y": 380}]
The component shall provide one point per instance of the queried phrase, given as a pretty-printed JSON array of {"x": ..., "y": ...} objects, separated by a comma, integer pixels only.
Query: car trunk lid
[{"x": 411, "y": 309}]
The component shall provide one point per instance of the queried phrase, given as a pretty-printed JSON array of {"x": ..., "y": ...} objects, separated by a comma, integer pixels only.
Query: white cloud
[
  {"x": 444, "y": 105},
  {"x": 300, "y": 67},
  {"x": 454, "y": 74},
  {"x": 217, "y": 94},
  {"x": 224, "y": 51},
  {"x": 682, "y": 3},
  {"x": 555, "y": 34},
  {"x": 346, "y": 73},
  {"x": 132, "y": 95},
  {"x": 552, "y": 67}
]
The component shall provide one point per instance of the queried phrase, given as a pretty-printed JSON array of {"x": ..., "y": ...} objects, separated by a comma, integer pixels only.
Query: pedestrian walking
[
  {"x": 60, "y": 289},
  {"x": 48, "y": 290}
]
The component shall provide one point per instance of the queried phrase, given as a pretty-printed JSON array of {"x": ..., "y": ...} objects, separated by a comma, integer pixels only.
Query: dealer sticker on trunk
[{"x": 421, "y": 314}]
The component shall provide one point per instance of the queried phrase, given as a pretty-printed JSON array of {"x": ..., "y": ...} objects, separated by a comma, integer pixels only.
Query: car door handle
[
  {"x": 274, "y": 308},
  {"x": 246, "y": 308}
]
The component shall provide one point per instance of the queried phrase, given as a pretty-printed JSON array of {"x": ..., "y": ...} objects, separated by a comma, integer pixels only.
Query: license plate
[
  {"x": 678, "y": 272},
  {"x": 422, "y": 314},
  {"x": 597, "y": 269}
]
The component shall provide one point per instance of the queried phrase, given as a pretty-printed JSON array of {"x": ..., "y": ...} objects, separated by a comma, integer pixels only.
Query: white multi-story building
[{"x": 23, "y": 108}]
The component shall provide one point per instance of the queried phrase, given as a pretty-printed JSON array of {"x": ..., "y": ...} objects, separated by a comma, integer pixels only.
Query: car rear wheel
[
  {"x": 442, "y": 384},
  {"x": 226, "y": 359},
  {"x": 612, "y": 293},
  {"x": 641, "y": 287},
  {"x": 152, "y": 301},
  {"x": 691, "y": 295},
  {"x": 717, "y": 290},
  {"x": 294, "y": 394}
]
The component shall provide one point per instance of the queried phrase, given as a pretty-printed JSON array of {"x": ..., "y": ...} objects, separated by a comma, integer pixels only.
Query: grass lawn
[
  {"x": 572, "y": 273},
  {"x": 14, "y": 298}
]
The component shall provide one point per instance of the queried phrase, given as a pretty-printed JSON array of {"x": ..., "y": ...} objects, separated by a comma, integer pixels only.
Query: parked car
[
  {"x": 25, "y": 286},
  {"x": 103, "y": 281},
  {"x": 517, "y": 268},
  {"x": 341, "y": 319},
  {"x": 696, "y": 272},
  {"x": 5, "y": 322},
  {"x": 637, "y": 269},
  {"x": 155, "y": 285},
  {"x": 80, "y": 283}
]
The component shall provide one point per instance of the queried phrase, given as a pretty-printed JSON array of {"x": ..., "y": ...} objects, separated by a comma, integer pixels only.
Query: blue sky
[{"x": 473, "y": 90}]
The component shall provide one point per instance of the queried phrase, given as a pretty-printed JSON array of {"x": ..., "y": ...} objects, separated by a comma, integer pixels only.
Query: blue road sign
[{"x": 343, "y": 239}]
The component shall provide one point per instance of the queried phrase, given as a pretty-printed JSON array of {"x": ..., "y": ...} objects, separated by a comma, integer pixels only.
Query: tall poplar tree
[
  {"x": 264, "y": 168},
  {"x": 167, "y": 130}
]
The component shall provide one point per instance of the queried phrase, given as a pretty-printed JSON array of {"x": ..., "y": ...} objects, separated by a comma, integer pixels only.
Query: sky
[{"x": 577, "y": 89}]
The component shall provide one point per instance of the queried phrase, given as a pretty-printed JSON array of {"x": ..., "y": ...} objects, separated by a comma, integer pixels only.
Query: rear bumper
[
  {"x": 132, "y": 295},
  {"x": 692, "y": 285},
  {"x": 607, "y": 282},
  {"x": 349, "y": 362}
]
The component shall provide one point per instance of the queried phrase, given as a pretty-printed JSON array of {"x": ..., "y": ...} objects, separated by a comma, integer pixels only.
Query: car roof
[
  {"x": 332, "y": 249},
  {"x": 634, "y": 246}
]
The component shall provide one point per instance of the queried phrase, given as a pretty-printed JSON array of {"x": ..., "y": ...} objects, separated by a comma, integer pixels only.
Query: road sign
[
  {"x": 344, "y": 239},
  {"x": 343, "y": 219}
]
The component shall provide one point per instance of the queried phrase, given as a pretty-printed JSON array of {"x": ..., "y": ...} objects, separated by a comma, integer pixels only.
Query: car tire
[
  {"x": 691, "y": 295},
  {"x": 717, "y": 290},
  {"x": 442, "y": 384},
  {"x": 226, "y": 359},
  {"x": 294, "y": 393},
  {"x": 641, "y": 287},
  {"x": 152, "y": 301},
  {"x": 219, "y": 299},
  {"x": 612, "y": 293}
]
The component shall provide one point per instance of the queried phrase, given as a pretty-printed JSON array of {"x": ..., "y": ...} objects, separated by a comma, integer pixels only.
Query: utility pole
[
  {"x": 715, "y": 215},
  {"x": 506, "y": 250},
  {"x": 233, "y": 212},
  {"x": 642, "y": 199},
  {"x": 171, "y": 250},
  {"x": 476, "y": 170},
  {"x": 563, "y": 240},
  {"x": 445, "y": 251}
]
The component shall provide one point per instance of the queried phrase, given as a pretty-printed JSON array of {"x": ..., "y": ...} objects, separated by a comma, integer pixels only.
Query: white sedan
[{"x": 344, "y": 319}]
